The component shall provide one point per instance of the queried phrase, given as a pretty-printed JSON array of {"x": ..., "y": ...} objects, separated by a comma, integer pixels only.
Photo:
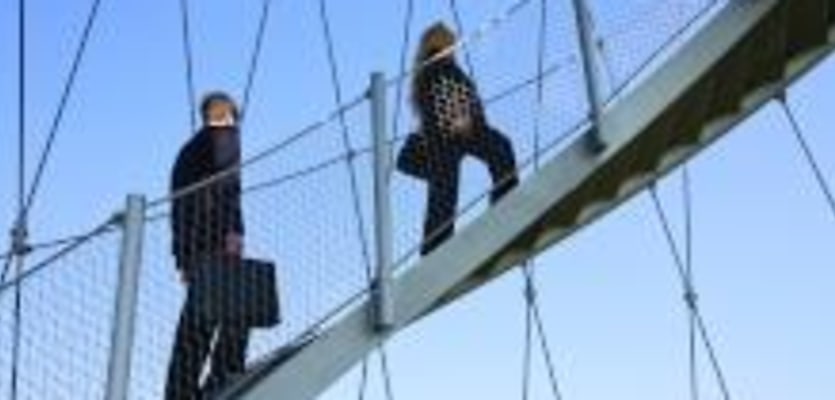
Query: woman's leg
[
  {"x": 442, "y": 200},
  {"x": 495, "y": 149}
]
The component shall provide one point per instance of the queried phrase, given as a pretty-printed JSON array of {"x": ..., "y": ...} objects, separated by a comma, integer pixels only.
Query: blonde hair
[{"x": 435, "y": 39}]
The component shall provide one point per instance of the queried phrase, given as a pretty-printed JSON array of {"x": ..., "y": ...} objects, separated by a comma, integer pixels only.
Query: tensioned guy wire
[
  {"x": 69, "y": 84},
  {"x": 808, "y": 154},
  {"x": 687, "y": 197},
  {"x": 45, "y": 245},
  {"x": 532, "y": 309},
  {"x": 188, "y": 55},
  {"x": 459, "y": 27},
  {"x": 342, "y": 109},
  {"x": 266, "y": 153},
  {"x": 690, "y": 296},
  {"x": 404, "y": 59},
  {"x": 357, "y": 206},
  {"x": 77, "y": 242},
  {"x": 252, "y": 72}
]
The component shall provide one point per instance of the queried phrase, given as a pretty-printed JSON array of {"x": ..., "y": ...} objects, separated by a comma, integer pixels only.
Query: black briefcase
[
  {"x": 237, "y": 292},
  {"x": 413, "y": 157}
]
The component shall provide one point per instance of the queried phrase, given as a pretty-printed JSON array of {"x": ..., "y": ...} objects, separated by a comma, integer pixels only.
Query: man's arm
[
  {"x": 181, "y": 213},
  {"x": 238, "y": 219},
  {"x": 233, "y": 218}
]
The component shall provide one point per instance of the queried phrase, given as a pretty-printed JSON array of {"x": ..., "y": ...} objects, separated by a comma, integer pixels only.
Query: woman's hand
[
  {"x": 460, "y": 111},
  {"x": 462, "y": 125}
]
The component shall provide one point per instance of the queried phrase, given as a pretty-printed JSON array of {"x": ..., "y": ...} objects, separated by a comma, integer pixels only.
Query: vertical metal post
[
  {"x": 124, "y": 315},
  {"x": 20, "y": 232},
  {"x": 593, "y": 87},
  {"x": 384, "y": 312}
]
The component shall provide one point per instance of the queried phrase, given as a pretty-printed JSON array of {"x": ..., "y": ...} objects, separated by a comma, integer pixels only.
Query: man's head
[{"x": 218, "y": 109}]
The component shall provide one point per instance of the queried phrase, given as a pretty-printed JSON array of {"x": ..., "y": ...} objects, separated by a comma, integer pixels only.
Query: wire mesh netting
[
  {"x": 301, "y": 210},
  {"x": 299, "y": 216},
  {"x": 65, "y": 326},
  {"x": 540, "y": 114},
  {"x": 631, "y": 38}
]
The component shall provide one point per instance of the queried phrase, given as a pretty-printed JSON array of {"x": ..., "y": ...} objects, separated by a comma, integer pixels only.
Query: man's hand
[
  {"x": 181, "y": 273},
  {"x": 234, "y": 244}
]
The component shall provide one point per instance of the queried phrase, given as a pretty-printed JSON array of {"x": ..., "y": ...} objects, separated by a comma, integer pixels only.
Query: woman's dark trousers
[{"x": 444, "y": 161}]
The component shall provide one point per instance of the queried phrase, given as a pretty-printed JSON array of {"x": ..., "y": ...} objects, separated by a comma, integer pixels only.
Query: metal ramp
[{"x": 744, "y": 57}]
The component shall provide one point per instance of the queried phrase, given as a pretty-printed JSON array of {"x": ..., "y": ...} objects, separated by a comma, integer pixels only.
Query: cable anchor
[{"x": 19, "y": 236}]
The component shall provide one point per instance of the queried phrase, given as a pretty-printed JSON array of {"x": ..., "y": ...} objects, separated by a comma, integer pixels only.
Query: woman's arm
[{"x": 450, "y": 102}]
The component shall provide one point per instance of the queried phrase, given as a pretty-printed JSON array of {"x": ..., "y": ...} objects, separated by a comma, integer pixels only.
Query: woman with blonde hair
[{"x": 452, "y": 125}]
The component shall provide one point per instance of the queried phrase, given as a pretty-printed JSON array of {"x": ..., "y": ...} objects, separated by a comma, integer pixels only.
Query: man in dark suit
[{"x": 207, "y": 232}]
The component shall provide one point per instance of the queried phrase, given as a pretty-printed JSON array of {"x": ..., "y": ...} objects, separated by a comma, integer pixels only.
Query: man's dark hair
[{"x": 217, "y": 97}]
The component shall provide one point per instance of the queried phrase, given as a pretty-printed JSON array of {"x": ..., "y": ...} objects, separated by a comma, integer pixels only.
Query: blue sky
[{"x": 610, "y": 296}]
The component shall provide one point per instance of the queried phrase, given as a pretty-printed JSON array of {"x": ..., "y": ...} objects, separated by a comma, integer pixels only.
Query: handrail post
[
  {"x": 596, "y": 139},
  {"x": 124, "y": 312},
  {"x": 384, "y": 312}
]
